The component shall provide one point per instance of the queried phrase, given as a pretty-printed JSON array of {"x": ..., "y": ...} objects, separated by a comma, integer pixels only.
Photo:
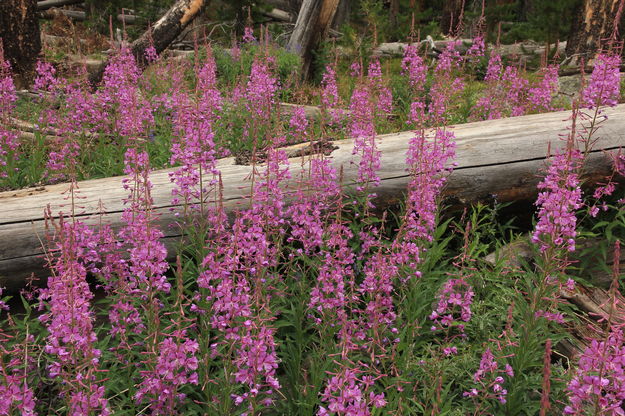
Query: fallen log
[
  {"x": 81, "y": 16},
  {"x": 47, "y": 4},
  {"x": 499, "y": 159},
  {"x": 279, "y": 15}
]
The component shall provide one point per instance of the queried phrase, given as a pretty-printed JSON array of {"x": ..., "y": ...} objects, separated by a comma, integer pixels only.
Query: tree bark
[
  {"x": 496, "y": 159},
  {"x": 313, "y": 21},
  {"x": 451, "y": 17},
  {"x": 592, "y": 29},
  {"x": 19, "y": 33},
  {"x": 161, "y": 34}
]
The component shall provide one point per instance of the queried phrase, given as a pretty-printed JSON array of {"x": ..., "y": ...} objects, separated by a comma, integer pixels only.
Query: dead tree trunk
[
  {"x": 452, "y": 16},
  {"x": 161, "y": 34},
  {"x": 593, "y": 28},
  {"x": 313, "y": 22},
  {"x": 19, "y": 33}
]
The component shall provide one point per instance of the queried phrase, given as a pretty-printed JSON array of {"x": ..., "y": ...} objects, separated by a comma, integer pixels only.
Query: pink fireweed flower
[
  {"x": 454, "y": 305},
  {"x": 330, "y": 99},
  {"x": 248, "y": 35},
  {"x": 15, "y": 393},
  {"x": 598, "y": 386},
  {"x": 299, "y": 125},
  {"x": 377, "y": 291},
  {"x": 331, "y": 295},
  {"x": 46, "y": 80},
  {"x": 329, "y": 91},
  {"x": 477, "y": 49},
  {"x": 347, "y": 395},
  {"x": 175, "y": 367},
  {"x": 447, "y": 84},
  {"x": 9, "y": 140},
  {"x": 362, "y": 129},
  {"x": 194, "y": 147},
  {"x": 381, "y": 92},
  {"x": 150, "y": 54},
  {"x": 541, "y": 95},
  {"x": 256, "y": 361},
  {"x": 490, "y": 379},
  {"x": 414, "y": 67},
  {"x": 261, "y": 90},
  {"x": 493, "y": 71},
  {"x": 120, "y": 93},
  {"x": 560, "y": 196},
  {"x": 428, "y": 158},
  {"x": 315, "y": 195},
  {"x": 516, "y": 89},
  {"x": 69, "y": 321},
  {"x": 147, "y": 262},
  {"x": 605, "y": 82}
]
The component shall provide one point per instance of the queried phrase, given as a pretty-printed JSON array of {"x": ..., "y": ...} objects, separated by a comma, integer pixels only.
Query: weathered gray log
[
  {"x": 499, "y": 159},
  {"x": 161, "y": 34},
  {"x": 47, "y": 4}
]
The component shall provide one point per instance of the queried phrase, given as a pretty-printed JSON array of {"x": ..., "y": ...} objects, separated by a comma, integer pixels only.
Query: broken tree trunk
[
  {"x": 312, "y": 25},
  {"x": 499, "y": 159},
  {"x": 161, "y": 34},
  {"x": 20, "y": 38}
]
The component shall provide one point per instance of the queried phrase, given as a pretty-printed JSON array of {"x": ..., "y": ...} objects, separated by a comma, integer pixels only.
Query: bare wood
[
  {"x": 47, "y": 4},
  {"x": 161, "y": 34},
  {"x": 496, "y": 159}
]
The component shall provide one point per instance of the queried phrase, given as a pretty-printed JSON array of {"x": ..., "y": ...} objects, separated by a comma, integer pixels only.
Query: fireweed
[
  {"x": 15, "y": 367},
  {"x": 352, "y": 279},
  {"x": 69, "y": 321},
  {"x": 9, "y": 140}
]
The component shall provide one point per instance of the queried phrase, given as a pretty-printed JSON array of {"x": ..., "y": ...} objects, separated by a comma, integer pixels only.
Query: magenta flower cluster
[
  {"x": 490, "y": 379},
  {"x": 559, "y": 198},
  {"x": 603, "y": 88},
  {"x": 598, "y": 386}
]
